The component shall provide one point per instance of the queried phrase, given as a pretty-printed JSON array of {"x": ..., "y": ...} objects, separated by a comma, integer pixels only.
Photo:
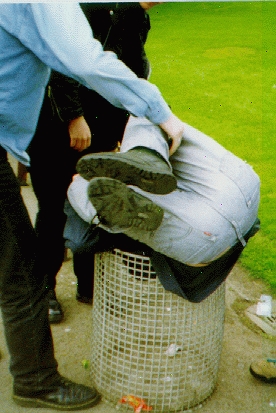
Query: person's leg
[
  {"x": 145, "y": 164},
  {"x": 50, "y": 173},
  {"x": 204, "y": 167},
  {"x": 141, "y": 132},
  {"x": 80, "y": 239},
  {"x": 24, "y": 307},
  {"x": 83, "y": 264},
  {"x": 172, "y": 224},
  {"x": 23, "y": 303},
  {"x": 215, "y": 204},
  {"x": 225, "y": 182},
  {"x": 178, "y": 235}
]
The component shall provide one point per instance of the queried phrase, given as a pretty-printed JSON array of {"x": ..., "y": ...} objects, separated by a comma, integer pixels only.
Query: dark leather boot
[{"x": 61, "y": 395}]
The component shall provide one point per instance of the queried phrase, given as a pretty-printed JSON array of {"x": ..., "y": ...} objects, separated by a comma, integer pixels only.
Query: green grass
[{"x": 214, "y": 63}]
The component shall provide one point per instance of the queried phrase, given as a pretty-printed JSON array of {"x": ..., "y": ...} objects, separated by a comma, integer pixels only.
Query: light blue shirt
[{"x": 38, "y": 36}]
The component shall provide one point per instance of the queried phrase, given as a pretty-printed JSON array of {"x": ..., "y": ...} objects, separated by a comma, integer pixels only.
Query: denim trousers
[
  {"x": 22, "y": 291},
  {"x": 216, "y": 201},
  {"x": 208, "y": 219}
]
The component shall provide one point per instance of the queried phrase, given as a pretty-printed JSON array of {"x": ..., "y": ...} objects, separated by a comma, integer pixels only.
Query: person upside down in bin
[{"x": 194, "y": 211}]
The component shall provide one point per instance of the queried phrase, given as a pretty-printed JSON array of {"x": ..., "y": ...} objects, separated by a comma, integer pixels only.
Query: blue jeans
[
  {"x": 207, "y": 220},
  {"x": 22, "y": 291},
  {"x": 216, "y": 201},
  {"x": 191, "y": 283}
]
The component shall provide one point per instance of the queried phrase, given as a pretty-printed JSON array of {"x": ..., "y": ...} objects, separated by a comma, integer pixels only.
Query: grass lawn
[{"x": 214, "y": 63}]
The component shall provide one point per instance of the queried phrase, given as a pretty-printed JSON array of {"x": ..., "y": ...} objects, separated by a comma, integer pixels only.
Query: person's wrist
[{"x": 174, "y": 127}]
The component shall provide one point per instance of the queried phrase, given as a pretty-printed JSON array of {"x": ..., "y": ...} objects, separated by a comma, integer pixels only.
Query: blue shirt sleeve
[{"x": 62, "y": 38}]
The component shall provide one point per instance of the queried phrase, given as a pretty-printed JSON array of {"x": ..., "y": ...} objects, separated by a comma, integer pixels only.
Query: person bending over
[
  {"x": 195, "y": 210},
  {"x": 35, "y": 38}
]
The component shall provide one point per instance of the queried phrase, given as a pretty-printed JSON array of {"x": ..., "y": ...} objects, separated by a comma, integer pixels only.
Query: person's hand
[
  {"x": 148, "y": 5},
  {"x": 80, "y": 134},
  {"x": 174, "y": 128}
]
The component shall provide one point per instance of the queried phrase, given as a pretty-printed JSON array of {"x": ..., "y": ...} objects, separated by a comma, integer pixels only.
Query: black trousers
[
  {"x": 22, "y": 290},
  {"x": 53, "y": 165}
]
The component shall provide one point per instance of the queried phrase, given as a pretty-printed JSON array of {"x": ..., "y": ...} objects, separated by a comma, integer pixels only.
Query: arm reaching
[
  {"x": 61, "y": 38},
  {"x": 174, "y": 127}
]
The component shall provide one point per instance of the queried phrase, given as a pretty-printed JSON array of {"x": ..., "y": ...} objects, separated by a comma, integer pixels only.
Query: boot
[
  {"x": 120, "y": 208},
  {"x": 140, "y": 167},
  {"x": 62, "y": 395}
]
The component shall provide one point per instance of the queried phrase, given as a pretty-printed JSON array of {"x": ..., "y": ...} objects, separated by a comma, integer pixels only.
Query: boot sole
[
  {"x": 128, "y": 171},
  {"x": 32, "y": 402},
  {"x": 119, "y": 206}
]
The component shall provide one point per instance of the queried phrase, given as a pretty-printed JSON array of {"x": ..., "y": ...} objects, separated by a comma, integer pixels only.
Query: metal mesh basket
[{"x": 148, "y": 342}]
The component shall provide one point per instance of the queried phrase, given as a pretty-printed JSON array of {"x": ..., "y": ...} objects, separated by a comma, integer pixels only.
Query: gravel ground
[{"x": 236, "y": 391}]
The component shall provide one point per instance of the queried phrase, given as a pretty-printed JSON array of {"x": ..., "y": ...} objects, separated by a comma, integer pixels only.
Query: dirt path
[{"x": 236, "y": 392}]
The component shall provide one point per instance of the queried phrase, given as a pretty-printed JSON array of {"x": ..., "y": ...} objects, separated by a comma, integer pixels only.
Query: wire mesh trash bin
[{"x": 148, "y": 342}]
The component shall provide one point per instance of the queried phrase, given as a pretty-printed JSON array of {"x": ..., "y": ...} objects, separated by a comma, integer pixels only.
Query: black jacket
[{"x": 121, "y": 28}]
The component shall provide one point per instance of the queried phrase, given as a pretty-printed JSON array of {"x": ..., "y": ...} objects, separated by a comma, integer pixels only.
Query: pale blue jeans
[{"x": 216, "y": 201}]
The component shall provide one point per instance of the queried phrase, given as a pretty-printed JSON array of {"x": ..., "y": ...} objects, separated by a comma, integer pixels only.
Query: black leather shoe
[
  {"x": 55, "y": 311},
  {"x": 64, "y": 395}
]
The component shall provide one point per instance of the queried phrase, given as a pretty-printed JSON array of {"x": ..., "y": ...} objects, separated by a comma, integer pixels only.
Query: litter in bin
[
  {"x": 137, "y": 403},
  {"x": 172, "y": 350}
]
